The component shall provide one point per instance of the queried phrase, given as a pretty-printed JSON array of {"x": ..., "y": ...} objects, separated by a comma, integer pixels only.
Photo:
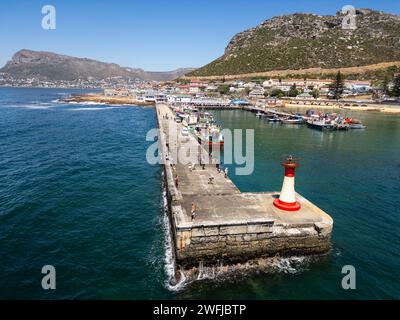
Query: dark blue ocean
[{"x": 76, "y": 192}]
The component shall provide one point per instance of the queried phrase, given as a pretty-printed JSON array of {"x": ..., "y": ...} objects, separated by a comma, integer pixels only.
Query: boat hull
[
  {"x": 321, "y": 127},
  {"x": 357, "y": 126},
  {"x": 292, "y": 121}
]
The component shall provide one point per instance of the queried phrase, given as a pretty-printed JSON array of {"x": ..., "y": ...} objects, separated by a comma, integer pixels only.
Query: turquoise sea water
[{"x": 76, "y": 192}]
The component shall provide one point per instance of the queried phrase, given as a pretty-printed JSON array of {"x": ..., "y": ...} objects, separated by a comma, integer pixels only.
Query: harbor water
[{"x": 76, "y": 192}]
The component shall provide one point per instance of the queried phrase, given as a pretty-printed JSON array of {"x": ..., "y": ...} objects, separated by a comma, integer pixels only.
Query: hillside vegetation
[{"x": 304, "y": 41}]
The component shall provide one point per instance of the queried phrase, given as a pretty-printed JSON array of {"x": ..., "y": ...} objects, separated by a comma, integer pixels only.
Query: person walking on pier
[
  {"x": 193, "y": 210},
  {"x": 203, "y": 165},
  {"x": 226, "y": 172}
]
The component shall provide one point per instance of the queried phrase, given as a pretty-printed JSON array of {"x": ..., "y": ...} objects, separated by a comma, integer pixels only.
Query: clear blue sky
[{"x": 150, "y": 34}]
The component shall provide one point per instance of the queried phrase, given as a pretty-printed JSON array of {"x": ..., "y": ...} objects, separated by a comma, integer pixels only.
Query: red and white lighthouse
[{"x": 287, "y": 198}]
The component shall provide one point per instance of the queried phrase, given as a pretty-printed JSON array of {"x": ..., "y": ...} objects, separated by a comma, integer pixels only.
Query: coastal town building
[
  {"x": 197, "y": 86},
  {"x": 152, "y": 96},
  {"x": 305, "y": 95},
  {"x": 211, "y": 88},
  {"x": 257, "y": 93}
]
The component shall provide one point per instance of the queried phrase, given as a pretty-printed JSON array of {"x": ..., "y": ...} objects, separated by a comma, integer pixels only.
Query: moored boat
[
  {"x": 319, "y": 124},
  {"x": 354, "y": 123},
  {"x": 357, "y": 126},
  {"x": 273, "y": 118},
  {"x": 292, "y": 120}
]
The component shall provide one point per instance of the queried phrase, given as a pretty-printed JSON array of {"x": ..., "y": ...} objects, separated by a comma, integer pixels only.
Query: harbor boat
[
  {"x": 293, "y": 120},
  {"x": 354, "y": 123},
  {"x": 206, "y": 118},
  {"x": 260, "y": 115},
  {"x": 340, "y": 126},
  {"x": 357, "y": 126},
  {"x": 273, "y": 118},
  {"x": 332, "y": 121},
  {"x": 324, "y": 124},
  {"x": 319, "y": 124}
]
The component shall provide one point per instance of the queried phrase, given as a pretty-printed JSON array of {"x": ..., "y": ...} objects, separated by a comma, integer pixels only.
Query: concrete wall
[{"x": 239, "y": 243}]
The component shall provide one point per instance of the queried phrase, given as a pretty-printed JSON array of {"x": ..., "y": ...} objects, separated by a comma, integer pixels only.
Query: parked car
[{"x": 184, "y": 132}]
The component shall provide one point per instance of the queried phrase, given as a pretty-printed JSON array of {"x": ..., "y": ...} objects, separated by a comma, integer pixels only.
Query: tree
[
  {"x": 293, "y": 92},
  {"x": 385, "y": 86},
  {"x": 315, "y": 93},
  {"x": 396, "y": 85},
  {"x": 223, "y": 89},
  {"x": 336, "y": 88},
  {"x": 183, "y": 81},
  {"x": 277, "y": 93}
]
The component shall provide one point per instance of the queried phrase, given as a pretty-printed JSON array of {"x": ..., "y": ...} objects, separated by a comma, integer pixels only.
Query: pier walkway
[{"x": 229, "y": 224}]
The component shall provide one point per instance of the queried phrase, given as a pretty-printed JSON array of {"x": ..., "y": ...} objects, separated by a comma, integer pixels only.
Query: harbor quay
[{"x": 213, "y": 222}]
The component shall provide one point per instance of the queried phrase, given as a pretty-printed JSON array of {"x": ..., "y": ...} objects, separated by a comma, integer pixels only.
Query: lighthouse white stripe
[{"x": 288, "y": 194}]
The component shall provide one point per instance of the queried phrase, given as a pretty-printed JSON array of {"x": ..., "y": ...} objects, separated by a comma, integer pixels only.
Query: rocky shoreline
[{"x": 100, "y": 98}]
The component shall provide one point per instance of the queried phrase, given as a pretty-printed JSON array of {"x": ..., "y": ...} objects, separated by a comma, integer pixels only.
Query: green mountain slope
[{"x": 301, "y": 41}]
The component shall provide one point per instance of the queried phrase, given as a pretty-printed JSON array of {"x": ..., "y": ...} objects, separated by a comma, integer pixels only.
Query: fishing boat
[
  {"x": 319, "y": 124},
  {"x": 357, "y": 126},
  {"x": 273, "y": 118},
  {"x": 354, "y": 123},
  {"x": 340, "y": 126},
  {"x": 206, "y": 117},
  {"x": 293, "y": 120}
]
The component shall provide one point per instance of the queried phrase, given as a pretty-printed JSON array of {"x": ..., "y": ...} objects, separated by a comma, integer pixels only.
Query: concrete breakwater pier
[{"x": 230, "y": 226}]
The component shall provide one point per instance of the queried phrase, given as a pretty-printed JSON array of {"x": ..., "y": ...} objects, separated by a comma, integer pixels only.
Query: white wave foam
[
  {"x": 92, "y": 103},
  {"x": 121, "y": 106},
  {"x": 33, "y": 106},
  {"x": 169, "y": 258},
  {"x": 220, "y": 272},
  {"x": 87, "y": 109},
  {"x": 288, "y": 265}
]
